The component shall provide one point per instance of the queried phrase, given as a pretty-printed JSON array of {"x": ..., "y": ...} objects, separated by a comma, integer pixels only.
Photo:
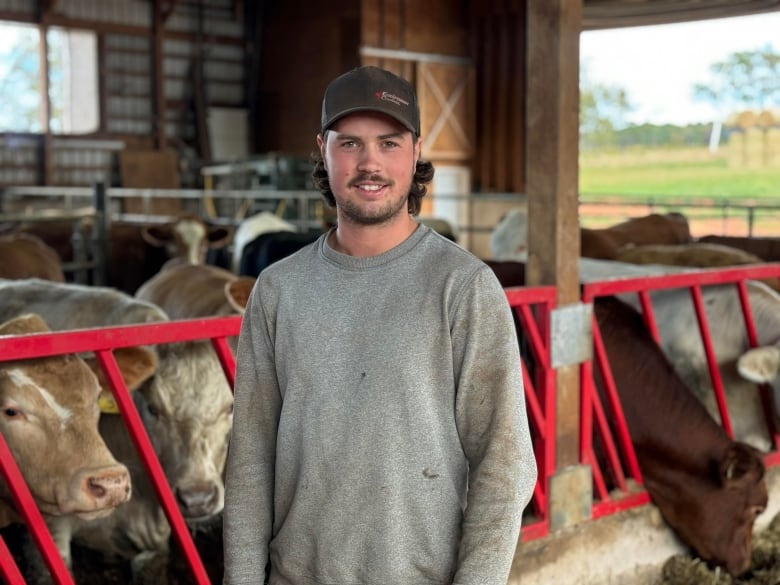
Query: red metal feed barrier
[
  {"x": 619, "y": 453},
  {"x": 532, "y": 308},
  {"x": 102, "y": 341}
]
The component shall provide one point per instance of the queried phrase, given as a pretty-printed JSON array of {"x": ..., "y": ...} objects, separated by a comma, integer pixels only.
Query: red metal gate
[{"x": 102, "y": 341}]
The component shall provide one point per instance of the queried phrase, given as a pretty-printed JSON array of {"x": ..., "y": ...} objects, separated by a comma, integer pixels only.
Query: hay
[{"x": 764, "y": 565}]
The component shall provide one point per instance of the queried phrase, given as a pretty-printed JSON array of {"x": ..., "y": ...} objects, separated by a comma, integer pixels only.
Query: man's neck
[{"x": 364, "y": 241}]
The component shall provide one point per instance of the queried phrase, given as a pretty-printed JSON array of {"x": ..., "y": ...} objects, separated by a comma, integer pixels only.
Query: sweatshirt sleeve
[
  {"x": 493, "y": 428},
  {"x": 249, "y": 481}
]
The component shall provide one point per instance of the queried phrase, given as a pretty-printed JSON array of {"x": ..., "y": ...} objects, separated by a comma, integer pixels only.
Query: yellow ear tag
[{"x": 107, "y": 403}]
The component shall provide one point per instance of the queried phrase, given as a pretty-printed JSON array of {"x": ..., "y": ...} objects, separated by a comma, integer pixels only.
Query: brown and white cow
[
  {"x": 693, "y": 254},
  {"x": 766, "y": 248},
  {"x": 49, "y": 420},
  {"x": 655, "y": 228},
  {"x": 27, "y": 256},
  {"x": 508, "y": 240},
  {"x": 137, "y": 251},
  {"x": 187, "y": 237},
  {"x": 708, "y": 488},
  {"x": 186, "y": 407}
]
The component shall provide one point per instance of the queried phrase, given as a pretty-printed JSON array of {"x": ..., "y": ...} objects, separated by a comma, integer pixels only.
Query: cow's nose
[
  {"x": 197, "y": 500},
  {"x": 108, "y": 488}
]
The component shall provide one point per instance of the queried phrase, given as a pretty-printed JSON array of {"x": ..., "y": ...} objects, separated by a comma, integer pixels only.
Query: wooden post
[{"x": 552, "y": 119}]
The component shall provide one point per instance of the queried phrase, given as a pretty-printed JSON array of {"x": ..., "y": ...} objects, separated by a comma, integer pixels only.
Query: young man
[{"x": 380, "y": 433}]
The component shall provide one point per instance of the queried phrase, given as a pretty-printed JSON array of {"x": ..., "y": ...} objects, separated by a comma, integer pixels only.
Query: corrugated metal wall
[{"x": 209, "y": 38}]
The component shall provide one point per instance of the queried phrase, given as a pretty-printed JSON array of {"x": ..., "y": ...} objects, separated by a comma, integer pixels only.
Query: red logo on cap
[{"x": 390, "y": 97}]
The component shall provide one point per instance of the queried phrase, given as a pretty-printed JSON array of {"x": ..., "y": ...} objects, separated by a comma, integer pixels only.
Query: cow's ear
[
  {"x": 157, "y": 235},
  {"x": 218, "y": 236},
  {"x": 237, "y": 292},
  {"x": 760, "y": 365},
  {"x": 27, "y": 323},
  {"x": 136, "y": 364}
]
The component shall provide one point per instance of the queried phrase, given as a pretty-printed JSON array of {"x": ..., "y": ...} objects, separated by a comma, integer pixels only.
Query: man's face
[{"x": 370, "y": 159}]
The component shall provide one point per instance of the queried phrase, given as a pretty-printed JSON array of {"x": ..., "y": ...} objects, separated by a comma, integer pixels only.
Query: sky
[{"x": 659, "y": 65}]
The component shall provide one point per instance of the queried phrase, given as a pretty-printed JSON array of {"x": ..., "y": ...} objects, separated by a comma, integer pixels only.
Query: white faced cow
[
  {"x": 186, "y": 407},
  {"x": 49, "y": 418}
]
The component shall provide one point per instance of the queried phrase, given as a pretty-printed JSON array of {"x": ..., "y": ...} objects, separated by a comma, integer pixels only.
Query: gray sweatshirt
[{"x": 380, "y": 433}]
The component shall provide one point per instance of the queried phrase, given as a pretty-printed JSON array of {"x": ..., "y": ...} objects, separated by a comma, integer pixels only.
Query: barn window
[{"x": 72, "y": 80}]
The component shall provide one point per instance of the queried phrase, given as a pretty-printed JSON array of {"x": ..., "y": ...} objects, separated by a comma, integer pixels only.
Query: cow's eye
[
  {"x": 153, "y": 410},
  {"x": 229, "y": 409},
  {"x": 11, "y": 412}
]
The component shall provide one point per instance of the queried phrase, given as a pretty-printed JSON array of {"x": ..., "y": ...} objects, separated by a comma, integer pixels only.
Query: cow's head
[
  {"x": 187, "y": 408},
  {"x": 716, "y": 514},
  {"x": 189, "y": 238},
  {"x": 49, "y": 418}
]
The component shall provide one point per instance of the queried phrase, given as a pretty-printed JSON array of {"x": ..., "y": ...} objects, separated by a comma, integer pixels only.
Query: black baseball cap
[{"x": 371, "y": 89}]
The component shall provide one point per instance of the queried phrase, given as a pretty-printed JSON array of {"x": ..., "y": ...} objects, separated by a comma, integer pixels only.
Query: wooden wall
[
  {"x": 498, "y": 43},
  {"x": 304, "y": 44}
]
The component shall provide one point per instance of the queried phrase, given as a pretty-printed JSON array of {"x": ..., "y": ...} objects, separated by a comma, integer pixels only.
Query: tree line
[{"x": 743, "y": 80}]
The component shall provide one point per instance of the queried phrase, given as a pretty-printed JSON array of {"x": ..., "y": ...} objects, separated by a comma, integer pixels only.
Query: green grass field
[
  {"x": 675, "y": 173},
  {"x": 706, "y": 187}
]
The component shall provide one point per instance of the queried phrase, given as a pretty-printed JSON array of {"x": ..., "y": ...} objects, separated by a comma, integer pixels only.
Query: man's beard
[{"x": 359, "y": 214}]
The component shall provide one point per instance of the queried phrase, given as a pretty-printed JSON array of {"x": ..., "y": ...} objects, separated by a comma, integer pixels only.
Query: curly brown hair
[{"x": 423, "y": 174}]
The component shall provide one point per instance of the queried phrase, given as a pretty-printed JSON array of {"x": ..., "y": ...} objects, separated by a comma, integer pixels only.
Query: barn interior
[{"x": 213, "y": 106}]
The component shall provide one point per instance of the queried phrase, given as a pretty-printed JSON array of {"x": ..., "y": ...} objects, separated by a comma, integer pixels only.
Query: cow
[
  {"x": 198, "y": 290},
  {"x": 708, "y": 488},
  {"x": 693, "y": 254},
  {"x": 508, "y": 240},
  {"x": 253, "y": 226},
  {"x": 50, "y": 423},
  {"x": 655, "y": 228},
  {"x": 186, "y": 407},
  {"x": 270, "y": 247},
  {"x": 187, "y": 237},
  {"x": 135, "y": 251},
  {"x": 681, "y": 341},
  {"x": 766, "y": 248},
  {"x": 27, "y": 256}
]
